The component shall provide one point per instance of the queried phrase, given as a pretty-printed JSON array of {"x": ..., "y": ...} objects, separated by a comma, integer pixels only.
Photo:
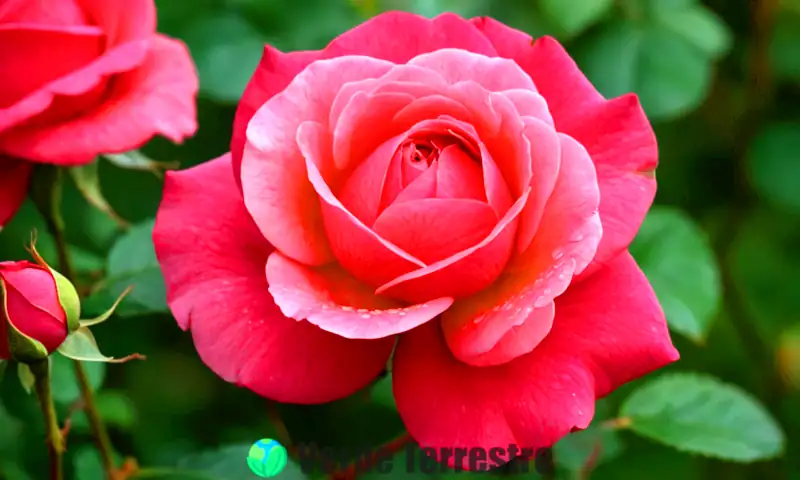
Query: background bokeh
[{"x": 720, "y": 80}]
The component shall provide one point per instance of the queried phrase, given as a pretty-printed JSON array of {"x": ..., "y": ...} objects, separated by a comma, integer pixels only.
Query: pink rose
[
  {"x": 83, "y": 77},
  {"x": 448, "y": 181}
]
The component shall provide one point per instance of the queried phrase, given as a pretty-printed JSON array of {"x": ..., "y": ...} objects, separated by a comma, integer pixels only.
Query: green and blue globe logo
[{"x": 267, "y": 458}]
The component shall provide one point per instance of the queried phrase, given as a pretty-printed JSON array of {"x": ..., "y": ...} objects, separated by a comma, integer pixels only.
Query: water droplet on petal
[{"x": 557, "y": 254}]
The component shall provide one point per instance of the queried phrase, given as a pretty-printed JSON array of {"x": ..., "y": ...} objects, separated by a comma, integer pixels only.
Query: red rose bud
[{"x": 39, "y": 309}]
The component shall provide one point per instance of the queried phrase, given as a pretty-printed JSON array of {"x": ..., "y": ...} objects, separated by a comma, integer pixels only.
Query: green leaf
[
  {"x": 88, "y": 465},
  {"x": 670, "y": 75},
  {"x": 132, "y": 262},
  {"x": 81, "y": 346},
  {"x": 574, "y": 16},
  {"x": 701, "y": 27},
  {"x": 26, "y": 378},
  {"x": 136, "y": 160},
  {"x": 64, "y": 384},
  {"x": 87, "y": 179},
  {"x": 227, "y": 50},
  {"x": 774, "y": 167},
  {"x": 676, "y": 256},
  {"x": 115, "y": 408},
  {"x": 700, "y": 414}
]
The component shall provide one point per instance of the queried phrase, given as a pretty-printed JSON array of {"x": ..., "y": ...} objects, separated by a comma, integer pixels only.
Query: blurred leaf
[
  {"x": 668, "y": 73},
  {"x": 11, "y": 471},
  {"x": 226, "y": 49},
  {"x": 774, "y": 166},
  {"x": 115, "y": 408},
  {"x": 676, "y": 256},
  {"x": 574, "y": 16},
  {"x": 26, "y": 378},
  {"x": 3, "y": 365},
  {"x": 765, "y": 265},
  {"x": 65, "y": 384},
  {"x": 88, "y": 465},
  {"x": 132, "y": 262},
  {"x": 87, "y": 179},
  {"x": 10, "y": 429},
  {"x": 701, "y": 27},
  {"x": 785, "y": 44},
  {"x": 699, "y": 414},
  {"x": 226, "y": 463},
  {"x": 426, "y": 8}
]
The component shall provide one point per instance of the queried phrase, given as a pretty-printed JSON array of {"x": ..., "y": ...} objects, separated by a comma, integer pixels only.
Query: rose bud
[{"x": 39, "y": 309}]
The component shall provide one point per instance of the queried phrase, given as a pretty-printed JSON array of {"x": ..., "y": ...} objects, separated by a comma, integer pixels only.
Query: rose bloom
[
  {"x": 29, "y": 302},
  {"x": 83, "y": 77},
  {"x": 447, "y": 185}
]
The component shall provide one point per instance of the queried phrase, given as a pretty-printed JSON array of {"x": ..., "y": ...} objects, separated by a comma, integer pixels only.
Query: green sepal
[
  {"x": 87, "y": 180},
  {"x": 26, "y": 378},
  {"x": 67, "y": 294},
  {"x": 22, "y": 348},
  {"x": 107, "y": 314},
  {"x": 81, "y": 345}
]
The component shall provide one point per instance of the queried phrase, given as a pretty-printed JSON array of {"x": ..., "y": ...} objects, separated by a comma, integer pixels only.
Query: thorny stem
[{"x": 55, "y": 440}]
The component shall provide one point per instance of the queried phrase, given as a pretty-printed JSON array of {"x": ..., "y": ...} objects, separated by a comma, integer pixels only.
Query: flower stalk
[
  {"x": 46, "y": 193},
  {"x": 55, "y": 440}
]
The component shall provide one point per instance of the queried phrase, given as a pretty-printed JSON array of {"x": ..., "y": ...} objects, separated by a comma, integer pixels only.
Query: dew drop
[
  {"x": 558, "y": 254},
  {"x": 347, "y": 308},
  {"x": 366, "y": 315}
]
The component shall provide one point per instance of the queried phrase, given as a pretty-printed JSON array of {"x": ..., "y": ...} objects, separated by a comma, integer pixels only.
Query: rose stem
[
  {"x": 392, "y": 447},
  {"x": 46, "y": 193},
  {"x": 55, "y": 441}
]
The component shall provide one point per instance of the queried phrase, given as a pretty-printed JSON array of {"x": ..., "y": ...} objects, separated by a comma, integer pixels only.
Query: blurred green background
[{"x": 720, "y": 81}]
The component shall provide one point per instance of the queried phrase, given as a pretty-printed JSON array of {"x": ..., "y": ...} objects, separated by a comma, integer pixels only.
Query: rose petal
[
  {"x": 60, "y": 13},
  {"x": 377, "y": 37},
  {"x": 374, "y": 38},
  {"x": 338, "y": 303},
  {"x": 276, "y": 188},
  {"x": 616, "y": 132},
  {"x": 433, "y": 229},
  {"x": 564, "y": 244},
  {"x": 213, "y": 258},
  {"x": 465, "y": 273},
  {"x": 458, "y": 176},
  {"x": 158, "y": 97},
  {"x": 358, "y": 248},
  {"x": 492, "y": 73},
  {"x": 608, "y": 331},
  {"x": 273, "y": 74},
  {"x": 122, "y": 20},
  {"x": 66, "y": 49},
  {"x": 14, "y": 179}
]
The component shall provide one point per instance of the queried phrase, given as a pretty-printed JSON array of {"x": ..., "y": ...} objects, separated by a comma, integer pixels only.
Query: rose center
[{"x": 417, "y": 154}]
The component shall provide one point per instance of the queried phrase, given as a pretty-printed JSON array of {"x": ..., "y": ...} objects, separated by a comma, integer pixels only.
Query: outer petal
[
  {"x": 42, "y": 12},
  {"x": 158, "y": 97},
  {"x": 275, "y": 182},
  {"x": 616, "y": 132},
  {"x": 14, "y": 179},
  {"x": 332, "y": 299},
  {"x": 376, "y": 38},
  {"x": 608, "y": 331},
  {"x": 122, "y": 20},
  {"x": 565, "y": 243},
  {"x": 213, "y": 259}
]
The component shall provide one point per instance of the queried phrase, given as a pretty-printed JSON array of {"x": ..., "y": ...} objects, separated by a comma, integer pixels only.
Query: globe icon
[{"x": 267, "y": 458}]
